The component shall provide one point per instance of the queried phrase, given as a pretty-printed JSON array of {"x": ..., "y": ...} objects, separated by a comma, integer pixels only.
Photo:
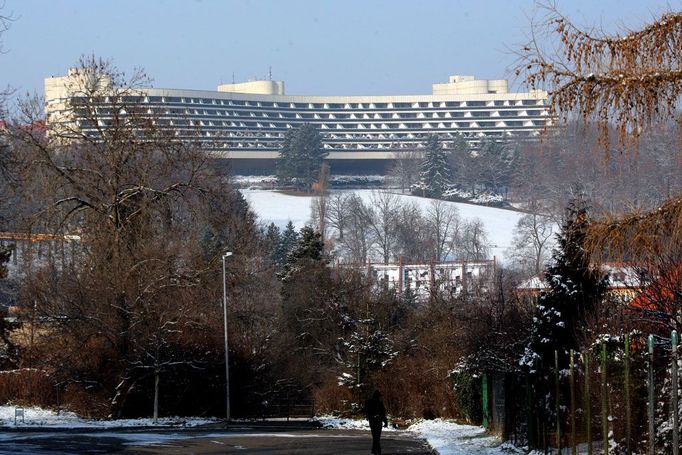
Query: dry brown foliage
[
  {"x": 152, "y": 216},
  {"x": 27, "y": 386},
  {"x": 630, "y": 79},
  {"x": 638, "y": 235}
]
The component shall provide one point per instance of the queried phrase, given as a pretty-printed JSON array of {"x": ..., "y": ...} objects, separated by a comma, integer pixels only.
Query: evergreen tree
[
  {"x": 367, "y": 349},
  {"x": 459, "y": 152},
  {"x": 494, "y": 164},
  {"x": 273, "y": 240},
  {"x": 285, "y": 166},
  {"x": 574, "y": 290},
  {"x": 435, "y": 173},
  {"x": 287, "y": 242},
  {"x": 301, "y": 156},
  {"x": 309, "y": 249},
  {"x": 309, "y": 246},
  {"x": 311, "y": 305}
]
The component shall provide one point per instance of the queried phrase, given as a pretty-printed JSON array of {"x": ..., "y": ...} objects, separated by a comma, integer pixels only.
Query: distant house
[
  {"x": 453, "y": 277},
  {"x": 28, "y": 251},
  {"x": 625, "y": 282}
]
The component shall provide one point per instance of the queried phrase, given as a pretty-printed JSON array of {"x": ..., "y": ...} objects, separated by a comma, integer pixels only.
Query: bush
[
  {"x": 331, "y": 398},
  {"x": 27, "y": 386},
  {"x": 467, "y": 388}
]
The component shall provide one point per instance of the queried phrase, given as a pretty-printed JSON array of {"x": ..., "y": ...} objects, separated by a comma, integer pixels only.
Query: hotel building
[{"x": 246, "y": 122}]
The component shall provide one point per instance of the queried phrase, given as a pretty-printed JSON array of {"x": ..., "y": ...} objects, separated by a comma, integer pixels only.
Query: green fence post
[
  {"x": 628, "y": 449},
  {"x": 531, "y": 420},
  {"x": 651, "y": 390},
  {"x": 588, "y": 403},
  {"x": 557, "y": 400},
  {"x": 675, "y": 396},
  {"x": 604, "y": 402},
  {"x": 571, "y": 376},
  {"x": 484, "y": 385}
]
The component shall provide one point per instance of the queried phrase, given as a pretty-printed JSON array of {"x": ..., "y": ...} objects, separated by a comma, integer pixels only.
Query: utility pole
[{"x": 227, "y": 355}]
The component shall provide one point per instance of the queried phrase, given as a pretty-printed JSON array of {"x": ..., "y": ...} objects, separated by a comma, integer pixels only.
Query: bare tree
[
  {"x": 413, "y": 241},
  {"x": 404, "y": 170},
  {"x": 382, "y": 219},
  {"x": 339, "y": 211},
  {"x": 443, "y": 222},
  {"x": 531, "y": 241},
  {"x": 473, "y": 245},
  {"x": 357, "y": 241},
  {"x": 5, "y": 21},
  {"x": 154, "y": 219},
  {"x": 320, "y": 202}
]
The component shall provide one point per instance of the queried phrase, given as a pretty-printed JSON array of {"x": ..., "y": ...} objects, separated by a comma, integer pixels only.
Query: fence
[
  {"x": 283, "y": 409},
  {"x": 619, "y": 397}
]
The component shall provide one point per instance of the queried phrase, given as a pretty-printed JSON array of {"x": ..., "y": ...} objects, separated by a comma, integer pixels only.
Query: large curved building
[{"x": 246, "y": 122}]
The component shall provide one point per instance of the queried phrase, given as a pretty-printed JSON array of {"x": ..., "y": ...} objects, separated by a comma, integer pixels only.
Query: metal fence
[
  {"x": 283, "y": 409},
  {"x": 621, "y": 396}
]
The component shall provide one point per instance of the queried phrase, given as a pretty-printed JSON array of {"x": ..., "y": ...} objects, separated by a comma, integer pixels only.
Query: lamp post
[{"x": 227, "y": 356}]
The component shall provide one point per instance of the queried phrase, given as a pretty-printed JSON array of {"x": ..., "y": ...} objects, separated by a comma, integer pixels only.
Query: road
[{"x": 244, "y": 441}]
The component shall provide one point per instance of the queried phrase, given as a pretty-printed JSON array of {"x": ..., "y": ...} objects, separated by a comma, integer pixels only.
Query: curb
[{"x": 217, "y": 426}]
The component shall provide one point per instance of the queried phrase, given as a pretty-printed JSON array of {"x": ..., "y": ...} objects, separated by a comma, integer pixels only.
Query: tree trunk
[{"x": 156, "y": 395}]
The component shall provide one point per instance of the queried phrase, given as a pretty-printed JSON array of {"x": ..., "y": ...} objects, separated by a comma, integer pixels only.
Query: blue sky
[{"x": 317, "y": 47}]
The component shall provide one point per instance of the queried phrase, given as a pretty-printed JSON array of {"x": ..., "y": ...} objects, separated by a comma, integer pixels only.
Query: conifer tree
[
  {"x": 285, "y": 163},
  {"x": 287, "y": 242},
  {"x": 273, "y": 238},
  {"x": 367, "y": 349},
  {"x": 301, "y": 156},
  {"x": 309, "y": 246},
  {"x": 435, "y": 173},
  {"x": 494, "y": 165},
  {"x": 574, "y": 290}
]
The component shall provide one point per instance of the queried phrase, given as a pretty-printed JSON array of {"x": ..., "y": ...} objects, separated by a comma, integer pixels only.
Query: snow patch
[
  {"x": 38, "y": 417},
  {"x": 341, "y": 423},
  {"x": 450, "y": 438},
  {"x": 447, "y": 437}
]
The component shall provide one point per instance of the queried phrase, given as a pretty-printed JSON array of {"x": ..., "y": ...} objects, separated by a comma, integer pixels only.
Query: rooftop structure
[{"x": 247, "y": 121}]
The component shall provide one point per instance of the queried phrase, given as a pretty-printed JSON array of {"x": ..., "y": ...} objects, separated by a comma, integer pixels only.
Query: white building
[
  {"x": 452, "y": 277},
  {"x": 247, "y": 121}
]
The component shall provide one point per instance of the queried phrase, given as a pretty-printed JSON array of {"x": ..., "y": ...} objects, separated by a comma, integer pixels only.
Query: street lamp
[{"x": 227, "y": 356}]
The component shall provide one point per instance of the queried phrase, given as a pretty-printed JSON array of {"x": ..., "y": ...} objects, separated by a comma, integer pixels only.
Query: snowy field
[
  {"x": 278, "y": 208},
  {"x": 448, "y": 438}
]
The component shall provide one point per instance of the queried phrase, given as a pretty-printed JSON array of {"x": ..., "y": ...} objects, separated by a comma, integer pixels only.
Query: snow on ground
[
  {"x": 38, "y": 417},
  {"x": 448, "y": 438},
  {"x": 279, "y": 208},
  {"x": 341, "y": 423}
]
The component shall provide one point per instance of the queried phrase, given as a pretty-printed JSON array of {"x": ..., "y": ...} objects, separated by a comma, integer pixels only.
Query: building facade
[
  {"x": 246, "y": 122},
  {"x": 425, "y": 279}
]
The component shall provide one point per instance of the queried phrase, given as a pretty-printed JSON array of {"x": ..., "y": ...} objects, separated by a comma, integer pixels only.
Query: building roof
[{"x": 620, "y": 276}]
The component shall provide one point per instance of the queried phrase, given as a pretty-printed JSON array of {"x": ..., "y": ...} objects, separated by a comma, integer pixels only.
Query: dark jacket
[{"x": 375, "y": 410}]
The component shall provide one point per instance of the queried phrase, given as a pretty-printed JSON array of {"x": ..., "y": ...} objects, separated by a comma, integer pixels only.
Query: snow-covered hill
[{"x": 279, "y": 208}]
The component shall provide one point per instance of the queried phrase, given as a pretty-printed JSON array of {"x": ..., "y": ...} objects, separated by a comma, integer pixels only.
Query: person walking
[{"x": 376, "y": 415}]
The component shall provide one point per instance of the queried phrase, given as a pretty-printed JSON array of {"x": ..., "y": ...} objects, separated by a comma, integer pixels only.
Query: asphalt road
[{"x": 304, "y": 442}]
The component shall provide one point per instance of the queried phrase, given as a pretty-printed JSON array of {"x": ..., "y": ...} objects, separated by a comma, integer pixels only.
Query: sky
[{"x": 342, "y": 47}]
